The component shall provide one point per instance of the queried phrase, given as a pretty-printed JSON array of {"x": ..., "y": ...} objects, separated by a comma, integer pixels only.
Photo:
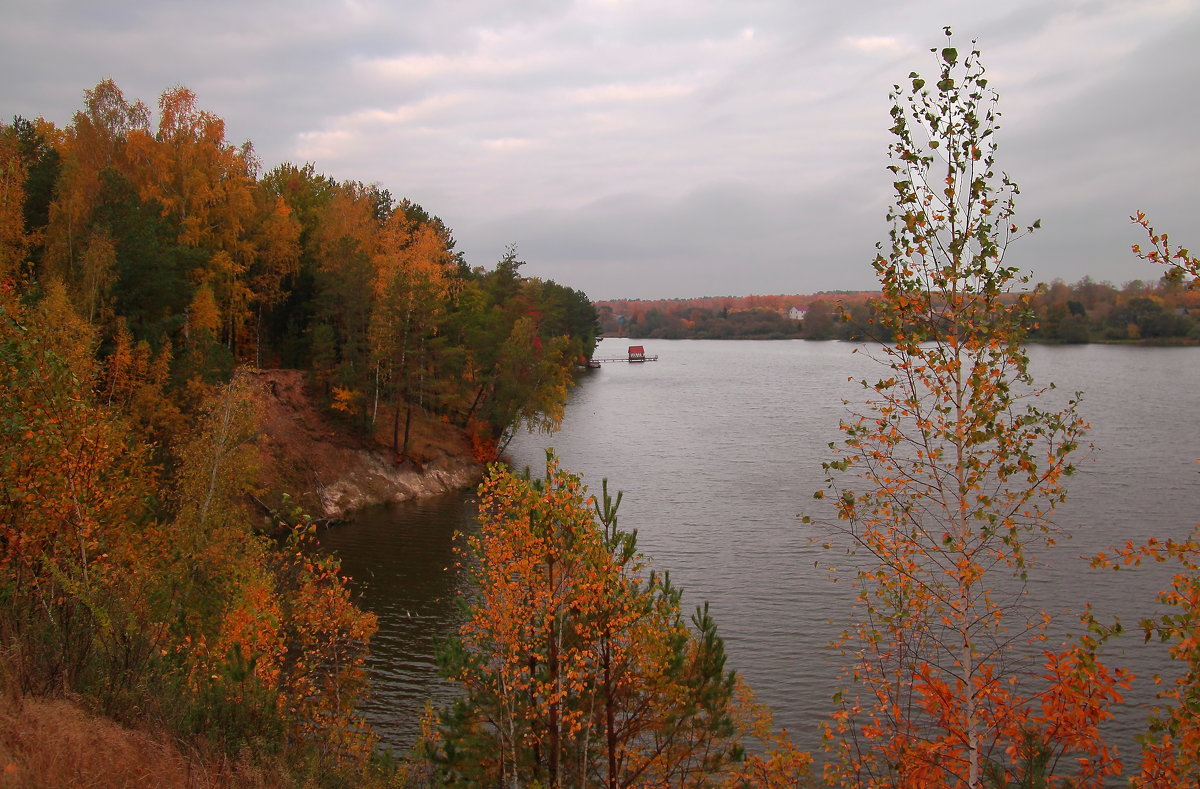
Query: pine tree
[{"x": 577, "y": 664}]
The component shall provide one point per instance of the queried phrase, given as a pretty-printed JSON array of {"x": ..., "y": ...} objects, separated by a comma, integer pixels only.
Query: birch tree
[{"x": 946, "y": 482}]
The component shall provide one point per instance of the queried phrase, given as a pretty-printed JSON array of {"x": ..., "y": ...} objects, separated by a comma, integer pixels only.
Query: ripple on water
[{"x": 718, "y": 446}]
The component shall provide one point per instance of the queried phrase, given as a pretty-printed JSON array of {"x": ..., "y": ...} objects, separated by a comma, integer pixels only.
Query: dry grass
[{"x": 55, "y": 743}]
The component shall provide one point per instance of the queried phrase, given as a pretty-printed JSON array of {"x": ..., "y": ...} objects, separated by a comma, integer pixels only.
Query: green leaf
[
  {"x": 918, "y": 83},
  {"x": 950, "y": 55}
]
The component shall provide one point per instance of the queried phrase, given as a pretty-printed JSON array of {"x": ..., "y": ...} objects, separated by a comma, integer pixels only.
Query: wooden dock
[
  {"x": 636, "y": 354},
  {"x": 610, "y": 359}
]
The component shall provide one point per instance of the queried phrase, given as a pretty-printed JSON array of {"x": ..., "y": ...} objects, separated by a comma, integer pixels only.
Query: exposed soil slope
[{"x": 332, "y": 472}]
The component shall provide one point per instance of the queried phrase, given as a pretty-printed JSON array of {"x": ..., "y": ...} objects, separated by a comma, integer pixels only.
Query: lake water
[{"x": 718, "y": 446}]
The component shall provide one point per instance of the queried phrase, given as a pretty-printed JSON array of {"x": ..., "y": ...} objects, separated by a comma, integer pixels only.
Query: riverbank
[{"x": 331, "y": 472}]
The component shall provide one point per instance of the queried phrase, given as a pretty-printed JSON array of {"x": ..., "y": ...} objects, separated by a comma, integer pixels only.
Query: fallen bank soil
[{"x": 332, "y": 472}]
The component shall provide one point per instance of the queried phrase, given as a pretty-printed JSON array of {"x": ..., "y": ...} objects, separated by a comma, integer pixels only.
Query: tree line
[
  {"x": 711, "y": 317},
  {"x": 1086, "y": 311}
]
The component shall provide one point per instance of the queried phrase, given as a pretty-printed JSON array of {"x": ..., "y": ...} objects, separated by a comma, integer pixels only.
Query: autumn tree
[
  {"x": 14, "y": 241},
  {"x": 1171, "y": 749},
  {"x": 1182, "y": 265},
  {"x": 346, "y": 240},
  {"x": 483, "y": 318},
  {"x": 275, "y": 262},
  {"x": 94, "y": 144},
  {"x": 148, "y": 283},
  {"x": 411, "y": 288},
  {"x": 137, "y": 381},
  {"x": 153, "y": 595},
  {"x": 289, "y": 324},
  {"x": 946, "y": 481},
  {"x": 522, "y": 337},
  {"x": 73, "y": 507},
  {"x": 32, "y": 144},
  {"x": 205, "y": 185},
  {"x": 273, "y": 640},
  {"x": 577, "y": 665}
]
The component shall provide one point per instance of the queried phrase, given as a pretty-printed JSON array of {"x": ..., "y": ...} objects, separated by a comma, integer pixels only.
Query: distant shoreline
[{"x": 1156, "y": 342}]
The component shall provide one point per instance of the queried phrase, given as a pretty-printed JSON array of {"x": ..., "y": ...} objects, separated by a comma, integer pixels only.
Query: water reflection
[{"x": 400, "y": 559}]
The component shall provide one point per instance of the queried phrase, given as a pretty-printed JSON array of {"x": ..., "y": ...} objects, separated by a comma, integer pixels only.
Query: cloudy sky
[{"x": 648, "y": 149}]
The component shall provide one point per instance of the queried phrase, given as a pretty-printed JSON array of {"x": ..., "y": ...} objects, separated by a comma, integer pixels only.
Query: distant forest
[{"x": 1164, "y": 312}]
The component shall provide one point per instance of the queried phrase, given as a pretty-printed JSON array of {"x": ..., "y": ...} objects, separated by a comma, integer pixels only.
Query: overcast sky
[{"x": 647, "y": 149}]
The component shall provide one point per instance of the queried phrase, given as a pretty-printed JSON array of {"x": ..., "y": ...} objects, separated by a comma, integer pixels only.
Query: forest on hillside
[
  {"x": 187, "y": 256},
  {"x": 144, "y": 571}
]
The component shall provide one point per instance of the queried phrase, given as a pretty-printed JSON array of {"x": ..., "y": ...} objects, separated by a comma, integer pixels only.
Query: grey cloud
[
  {"x": 657, "y": 149},
  {"x": 718, "y": 240}
]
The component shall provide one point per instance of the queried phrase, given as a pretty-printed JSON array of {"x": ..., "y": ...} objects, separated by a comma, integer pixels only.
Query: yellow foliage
[
  {"x": 14, "y": 242},
  {"x": 345, "y": 400},
  {"x": 204, "y": 317}
]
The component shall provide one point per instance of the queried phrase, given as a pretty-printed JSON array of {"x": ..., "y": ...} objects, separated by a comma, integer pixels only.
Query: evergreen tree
[{"x": 577, "y": 664}]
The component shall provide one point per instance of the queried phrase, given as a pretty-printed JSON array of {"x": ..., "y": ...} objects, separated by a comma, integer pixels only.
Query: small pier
[{"x": 636, "y": 354}]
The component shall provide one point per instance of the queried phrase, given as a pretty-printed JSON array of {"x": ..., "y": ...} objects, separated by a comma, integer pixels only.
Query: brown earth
[{"x": 332, "y": 472}]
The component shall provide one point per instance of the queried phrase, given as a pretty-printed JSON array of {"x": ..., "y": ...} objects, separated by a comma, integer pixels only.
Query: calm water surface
[{"x": 718, "y": 446}]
